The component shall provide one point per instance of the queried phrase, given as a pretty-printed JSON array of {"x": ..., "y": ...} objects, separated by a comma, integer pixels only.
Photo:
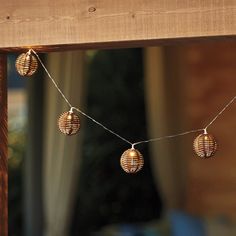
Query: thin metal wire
[
  {"x": 223, "y": 109},
  {"x": 116, "y": 134},
  {"x": 103, "y": 126},
  {"x": 49, "y": 75},
  {"x": 191, "y": 131},
  {"x": 77, "y": 109},
  {"x": 166, "y": 137}
]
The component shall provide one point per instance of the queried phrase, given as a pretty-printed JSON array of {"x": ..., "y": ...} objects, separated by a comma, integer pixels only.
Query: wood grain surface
[
  {"x": 85, "y": 24},
  {"x": 3, "y": 146}
]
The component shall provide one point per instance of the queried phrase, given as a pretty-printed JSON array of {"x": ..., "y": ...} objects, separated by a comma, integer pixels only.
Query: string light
[
  {"x": 131, "y": 160},
  {"x": 205, "y": 145},
  {"x": 69, "y": 123},
  {"x": 26, "y": 64}
]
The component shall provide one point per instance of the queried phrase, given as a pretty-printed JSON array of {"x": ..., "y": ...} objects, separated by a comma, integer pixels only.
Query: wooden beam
[
  {"x": 86, "y": 24},
  {"x": 3, "y": 147}
]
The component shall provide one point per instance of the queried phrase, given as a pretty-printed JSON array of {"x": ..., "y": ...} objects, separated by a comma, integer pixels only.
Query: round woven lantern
[
  {"x": 205, "y": 145},
  {"x": 26, "y": 64},
  {"x": 131, "y": 161},
  {"x": 69, "y": 123}
]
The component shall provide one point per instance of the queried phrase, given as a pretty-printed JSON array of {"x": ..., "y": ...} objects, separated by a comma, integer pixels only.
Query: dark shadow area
[{"x": 106, "y": 194}]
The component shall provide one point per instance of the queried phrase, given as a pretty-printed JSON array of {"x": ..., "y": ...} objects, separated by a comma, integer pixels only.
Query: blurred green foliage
[{"x": 16, "y": 152}]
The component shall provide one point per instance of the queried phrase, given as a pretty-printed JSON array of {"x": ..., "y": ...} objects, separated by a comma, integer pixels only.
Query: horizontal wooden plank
[{"x": 82, "y": 23}]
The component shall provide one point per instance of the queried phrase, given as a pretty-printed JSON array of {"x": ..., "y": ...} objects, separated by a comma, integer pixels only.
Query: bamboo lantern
[
  {"x": 69, "y": 123},
  {"x": 205, "y": 145},
  {"x": 131, "y": 161},
  {"x": 26, "y": 64}
]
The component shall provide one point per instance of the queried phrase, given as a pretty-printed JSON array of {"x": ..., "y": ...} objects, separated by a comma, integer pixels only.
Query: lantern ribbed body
[
  {"x": 69, "y": 123},
  {"x": 131, "y": 161},
  {"x": 205, "y": 145},
  {"x": 26, "y": 64}
]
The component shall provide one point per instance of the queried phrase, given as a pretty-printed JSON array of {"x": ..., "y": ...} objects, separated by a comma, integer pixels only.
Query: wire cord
[{"x": 116, "y": 134}]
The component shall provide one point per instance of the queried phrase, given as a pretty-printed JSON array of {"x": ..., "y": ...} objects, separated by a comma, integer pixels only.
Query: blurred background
[{"x": 66, "y": 186}]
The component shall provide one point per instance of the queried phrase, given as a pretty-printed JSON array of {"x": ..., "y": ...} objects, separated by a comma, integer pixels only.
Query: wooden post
[{"x": 3, "y": 147}]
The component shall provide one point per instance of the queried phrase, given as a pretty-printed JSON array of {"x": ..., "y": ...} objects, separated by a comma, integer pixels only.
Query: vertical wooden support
[{"x": 3, "y": 146}]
